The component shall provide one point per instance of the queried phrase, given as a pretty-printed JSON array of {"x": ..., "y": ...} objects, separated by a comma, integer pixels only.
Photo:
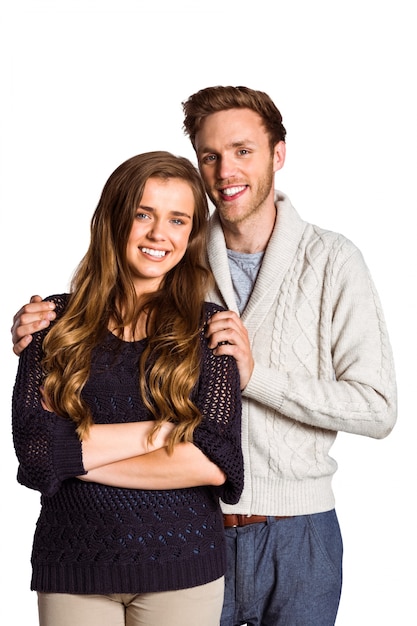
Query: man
[{"x": 305, "y": 325}]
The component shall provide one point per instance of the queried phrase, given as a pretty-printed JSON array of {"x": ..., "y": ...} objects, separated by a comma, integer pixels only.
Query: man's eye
[
  {"x": 243, "y": 151},
  {"x": 210, "y": 158}
]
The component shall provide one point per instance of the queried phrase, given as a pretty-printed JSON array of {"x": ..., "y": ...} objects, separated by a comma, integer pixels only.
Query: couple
[{"x": 292, "y": 320}]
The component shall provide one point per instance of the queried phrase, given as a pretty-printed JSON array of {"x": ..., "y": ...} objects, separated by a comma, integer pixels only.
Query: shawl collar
[{"x": 279, "y": 255}]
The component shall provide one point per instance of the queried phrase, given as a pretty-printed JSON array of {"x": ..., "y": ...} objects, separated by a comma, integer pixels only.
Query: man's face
[{"x": 236, "y": 163}]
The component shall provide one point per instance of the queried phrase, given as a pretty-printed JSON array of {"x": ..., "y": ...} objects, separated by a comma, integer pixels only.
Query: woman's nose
[{"x": 156, "y": 231}]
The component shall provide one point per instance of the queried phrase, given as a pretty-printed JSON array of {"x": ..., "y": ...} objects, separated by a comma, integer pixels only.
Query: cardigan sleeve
[
  {"x": 219, "y": 434},
  {"x": 47, "y": 446},
  {"x": 355, "y": 390}
]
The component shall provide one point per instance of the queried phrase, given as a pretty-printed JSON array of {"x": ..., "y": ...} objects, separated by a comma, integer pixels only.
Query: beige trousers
[{"x": 200, "y": 606}]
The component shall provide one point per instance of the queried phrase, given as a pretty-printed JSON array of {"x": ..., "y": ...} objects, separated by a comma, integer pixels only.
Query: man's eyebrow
[{"x": 233, "y": 144}]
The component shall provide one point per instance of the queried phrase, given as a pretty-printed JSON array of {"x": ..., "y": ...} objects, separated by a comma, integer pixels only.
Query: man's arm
[
  {"x": 359, "y": 395},
  {"x": 29, "y": 319}
]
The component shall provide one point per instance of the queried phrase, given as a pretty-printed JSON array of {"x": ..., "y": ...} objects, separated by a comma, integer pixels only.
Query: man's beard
[{"x": 226, "y": 210}]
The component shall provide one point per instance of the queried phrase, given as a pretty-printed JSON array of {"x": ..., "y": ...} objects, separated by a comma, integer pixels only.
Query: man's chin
[{"x": 229, "y": 215}]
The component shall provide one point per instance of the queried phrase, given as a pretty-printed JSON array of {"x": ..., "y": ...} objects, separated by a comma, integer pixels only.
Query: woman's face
[{"x": 160, "y": 231}]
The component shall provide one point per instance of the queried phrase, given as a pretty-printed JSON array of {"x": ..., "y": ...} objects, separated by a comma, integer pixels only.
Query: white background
[{"x": 87, "y": 84}]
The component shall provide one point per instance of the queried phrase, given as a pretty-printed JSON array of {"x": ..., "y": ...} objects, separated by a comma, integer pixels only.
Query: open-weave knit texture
[{"x": 92, "y": 538}]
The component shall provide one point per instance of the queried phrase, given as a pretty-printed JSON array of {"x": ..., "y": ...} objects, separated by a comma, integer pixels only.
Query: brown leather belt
[{"x": 233, "y": 520}]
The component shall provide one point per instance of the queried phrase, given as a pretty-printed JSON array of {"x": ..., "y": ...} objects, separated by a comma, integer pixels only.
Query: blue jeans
[{"x": 284, "y": 572}]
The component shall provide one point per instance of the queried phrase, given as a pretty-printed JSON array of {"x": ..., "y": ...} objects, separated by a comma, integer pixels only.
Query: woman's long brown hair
[{"x": 102, "y": 290}]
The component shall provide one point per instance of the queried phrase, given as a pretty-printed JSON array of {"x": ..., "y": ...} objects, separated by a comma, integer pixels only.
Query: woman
[{"x": 126, "y": 422}]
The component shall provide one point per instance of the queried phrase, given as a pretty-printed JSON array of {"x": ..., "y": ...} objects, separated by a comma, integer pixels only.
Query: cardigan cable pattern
[{"x": 323, "y": 362}]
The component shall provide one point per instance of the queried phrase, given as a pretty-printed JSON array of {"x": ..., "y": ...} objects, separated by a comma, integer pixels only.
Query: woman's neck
[{"x": 127, "y": 333}]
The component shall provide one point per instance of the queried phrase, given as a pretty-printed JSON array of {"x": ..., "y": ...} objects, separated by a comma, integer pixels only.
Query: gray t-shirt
[{"x": 244, "y": 269}]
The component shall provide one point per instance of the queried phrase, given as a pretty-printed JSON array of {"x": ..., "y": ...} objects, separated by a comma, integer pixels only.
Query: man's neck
[{"x": 249, "y": 236}]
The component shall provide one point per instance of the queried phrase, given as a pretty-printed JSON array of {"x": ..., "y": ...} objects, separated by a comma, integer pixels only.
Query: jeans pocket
[{"x": 325, "y": 530}]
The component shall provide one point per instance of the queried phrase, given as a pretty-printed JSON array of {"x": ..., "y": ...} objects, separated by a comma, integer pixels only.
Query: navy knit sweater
[{"x": 91, "y": 538}]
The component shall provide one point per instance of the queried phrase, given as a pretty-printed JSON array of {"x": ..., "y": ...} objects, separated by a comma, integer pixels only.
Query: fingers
[
  {"x": 226, "y": 326},
  {"x": 28, "y": 308},
  {"x": 21, "y": 345},
  {"x": 37, "y": 305},
  {"x": 227, "y": 334},
  {"x": 28, "y": 320},
  {"x": 36, "y": 299}
]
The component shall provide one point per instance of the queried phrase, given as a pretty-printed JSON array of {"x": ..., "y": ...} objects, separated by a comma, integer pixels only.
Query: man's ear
[{"x": 279, "y": 155}]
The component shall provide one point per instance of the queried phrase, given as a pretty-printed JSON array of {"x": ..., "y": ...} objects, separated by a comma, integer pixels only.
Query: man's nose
[{"x": 226, "y": 167}]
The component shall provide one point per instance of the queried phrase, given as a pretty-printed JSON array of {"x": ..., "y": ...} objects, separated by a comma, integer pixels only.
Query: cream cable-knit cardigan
[{"x": 323, "y": 362}]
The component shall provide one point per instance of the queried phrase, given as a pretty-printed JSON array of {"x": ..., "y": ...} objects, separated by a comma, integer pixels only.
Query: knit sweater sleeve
[
  {"x": 353, "y": 388},
  {"x": 47, "y": 446},
  {"x": 219, "y": 400}
]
